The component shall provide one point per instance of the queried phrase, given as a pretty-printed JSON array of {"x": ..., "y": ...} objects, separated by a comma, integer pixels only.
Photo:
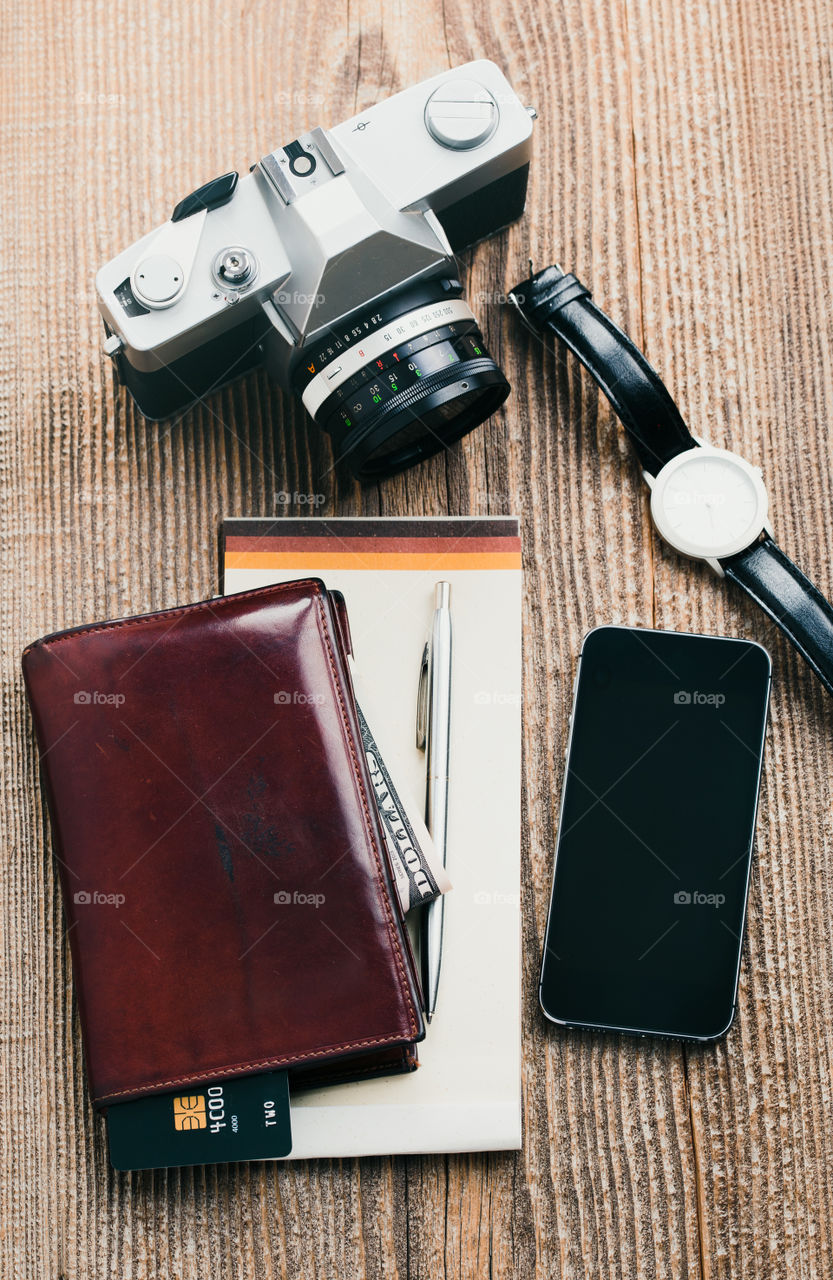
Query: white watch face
[{"x": 709, "y": 503}]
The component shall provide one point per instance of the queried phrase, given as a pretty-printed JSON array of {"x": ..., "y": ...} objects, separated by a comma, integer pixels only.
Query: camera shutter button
[{"x": 461, "y": 114}]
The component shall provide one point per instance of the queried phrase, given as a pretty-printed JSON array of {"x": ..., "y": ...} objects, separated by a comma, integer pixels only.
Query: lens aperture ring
[
  {"x": 355, "y": 420},
  {"x": 403, "y": 366}
]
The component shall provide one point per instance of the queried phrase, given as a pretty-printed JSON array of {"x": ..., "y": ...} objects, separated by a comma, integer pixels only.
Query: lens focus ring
[{"x": 433, "y": 411}]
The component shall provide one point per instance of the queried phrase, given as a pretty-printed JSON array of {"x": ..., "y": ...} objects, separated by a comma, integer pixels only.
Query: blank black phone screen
[{"x": 655, "y": 838}]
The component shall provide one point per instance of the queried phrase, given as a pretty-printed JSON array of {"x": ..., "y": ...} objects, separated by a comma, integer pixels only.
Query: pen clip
[{"x": 422, "y": 701}]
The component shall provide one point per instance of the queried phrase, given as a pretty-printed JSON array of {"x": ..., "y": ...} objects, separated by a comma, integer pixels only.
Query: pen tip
[{"x": 428, "y": 1016}]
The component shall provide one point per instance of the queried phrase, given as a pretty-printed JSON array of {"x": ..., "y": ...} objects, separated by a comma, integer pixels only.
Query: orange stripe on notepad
[{"x": 314, "y": 561}]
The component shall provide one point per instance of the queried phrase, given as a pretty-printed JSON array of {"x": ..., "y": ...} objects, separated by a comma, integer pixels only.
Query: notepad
[{"x": 466, "y": 1095}]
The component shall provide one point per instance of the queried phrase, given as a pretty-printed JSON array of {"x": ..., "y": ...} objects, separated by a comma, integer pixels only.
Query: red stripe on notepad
[{"x": 470, "y": 544}]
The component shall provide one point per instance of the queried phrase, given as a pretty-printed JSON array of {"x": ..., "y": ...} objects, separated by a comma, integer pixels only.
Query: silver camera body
[{"x": 302, "y": 264}]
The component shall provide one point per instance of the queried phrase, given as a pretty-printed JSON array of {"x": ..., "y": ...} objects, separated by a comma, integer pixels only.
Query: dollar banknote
[{"x": 418, "y": 873}]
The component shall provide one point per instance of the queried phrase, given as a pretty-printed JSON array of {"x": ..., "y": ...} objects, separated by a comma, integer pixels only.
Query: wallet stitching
[
  {"x": 215, "y": 1072},
  {"x": 312, "y": 1078},
  {"x": 158, "y": 615},
  {"x": 392, "y": 932}
]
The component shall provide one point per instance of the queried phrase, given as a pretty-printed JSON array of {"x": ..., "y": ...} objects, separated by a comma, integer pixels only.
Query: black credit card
[{"x": 242, "y": 1119}]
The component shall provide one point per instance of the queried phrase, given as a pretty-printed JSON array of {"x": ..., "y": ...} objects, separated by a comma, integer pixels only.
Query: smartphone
[{"x": 655, "y": 838}]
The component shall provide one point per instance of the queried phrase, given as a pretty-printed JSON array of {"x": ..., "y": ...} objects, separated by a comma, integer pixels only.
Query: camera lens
[{"x": 403, "y": 381}]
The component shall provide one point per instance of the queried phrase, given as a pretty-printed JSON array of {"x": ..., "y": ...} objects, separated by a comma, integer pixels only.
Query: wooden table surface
[{"x": 683, "y": 168}]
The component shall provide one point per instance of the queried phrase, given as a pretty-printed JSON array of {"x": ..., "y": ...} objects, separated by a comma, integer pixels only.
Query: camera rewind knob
[
  {"x": 461, "y": 114},
  {"x": 158, "y": 281}
]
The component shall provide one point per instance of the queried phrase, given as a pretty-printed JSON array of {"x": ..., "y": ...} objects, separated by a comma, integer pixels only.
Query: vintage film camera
[{"x": 332, "y": 263}]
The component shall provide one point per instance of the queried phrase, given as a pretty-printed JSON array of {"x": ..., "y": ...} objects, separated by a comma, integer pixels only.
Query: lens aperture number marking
[{"x": 354, "y": 358}]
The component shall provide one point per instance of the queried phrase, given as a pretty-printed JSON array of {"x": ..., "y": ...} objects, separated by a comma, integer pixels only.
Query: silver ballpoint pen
[{"x": 434, "y": 735}]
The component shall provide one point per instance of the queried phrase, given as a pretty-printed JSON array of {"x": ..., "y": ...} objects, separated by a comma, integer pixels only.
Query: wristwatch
[{"x": 707, "y": 503}]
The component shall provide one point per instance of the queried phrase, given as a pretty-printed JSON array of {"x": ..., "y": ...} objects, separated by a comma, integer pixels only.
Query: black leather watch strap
[
  {"x": 790, "y": 599},
  {"x": 558, "y": 301},
  {"x": 554, "y": 300}
]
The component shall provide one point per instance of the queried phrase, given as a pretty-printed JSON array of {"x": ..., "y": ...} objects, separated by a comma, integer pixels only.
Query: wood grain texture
[{"x": 683, "y": 168}]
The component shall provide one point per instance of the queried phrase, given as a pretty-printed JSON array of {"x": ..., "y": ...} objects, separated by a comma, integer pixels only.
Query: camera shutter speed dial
[{"x": 461, "y": 114}]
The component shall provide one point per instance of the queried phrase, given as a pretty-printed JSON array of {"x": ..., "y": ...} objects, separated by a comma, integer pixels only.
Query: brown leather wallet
[{"x": 226, "y": 883}]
